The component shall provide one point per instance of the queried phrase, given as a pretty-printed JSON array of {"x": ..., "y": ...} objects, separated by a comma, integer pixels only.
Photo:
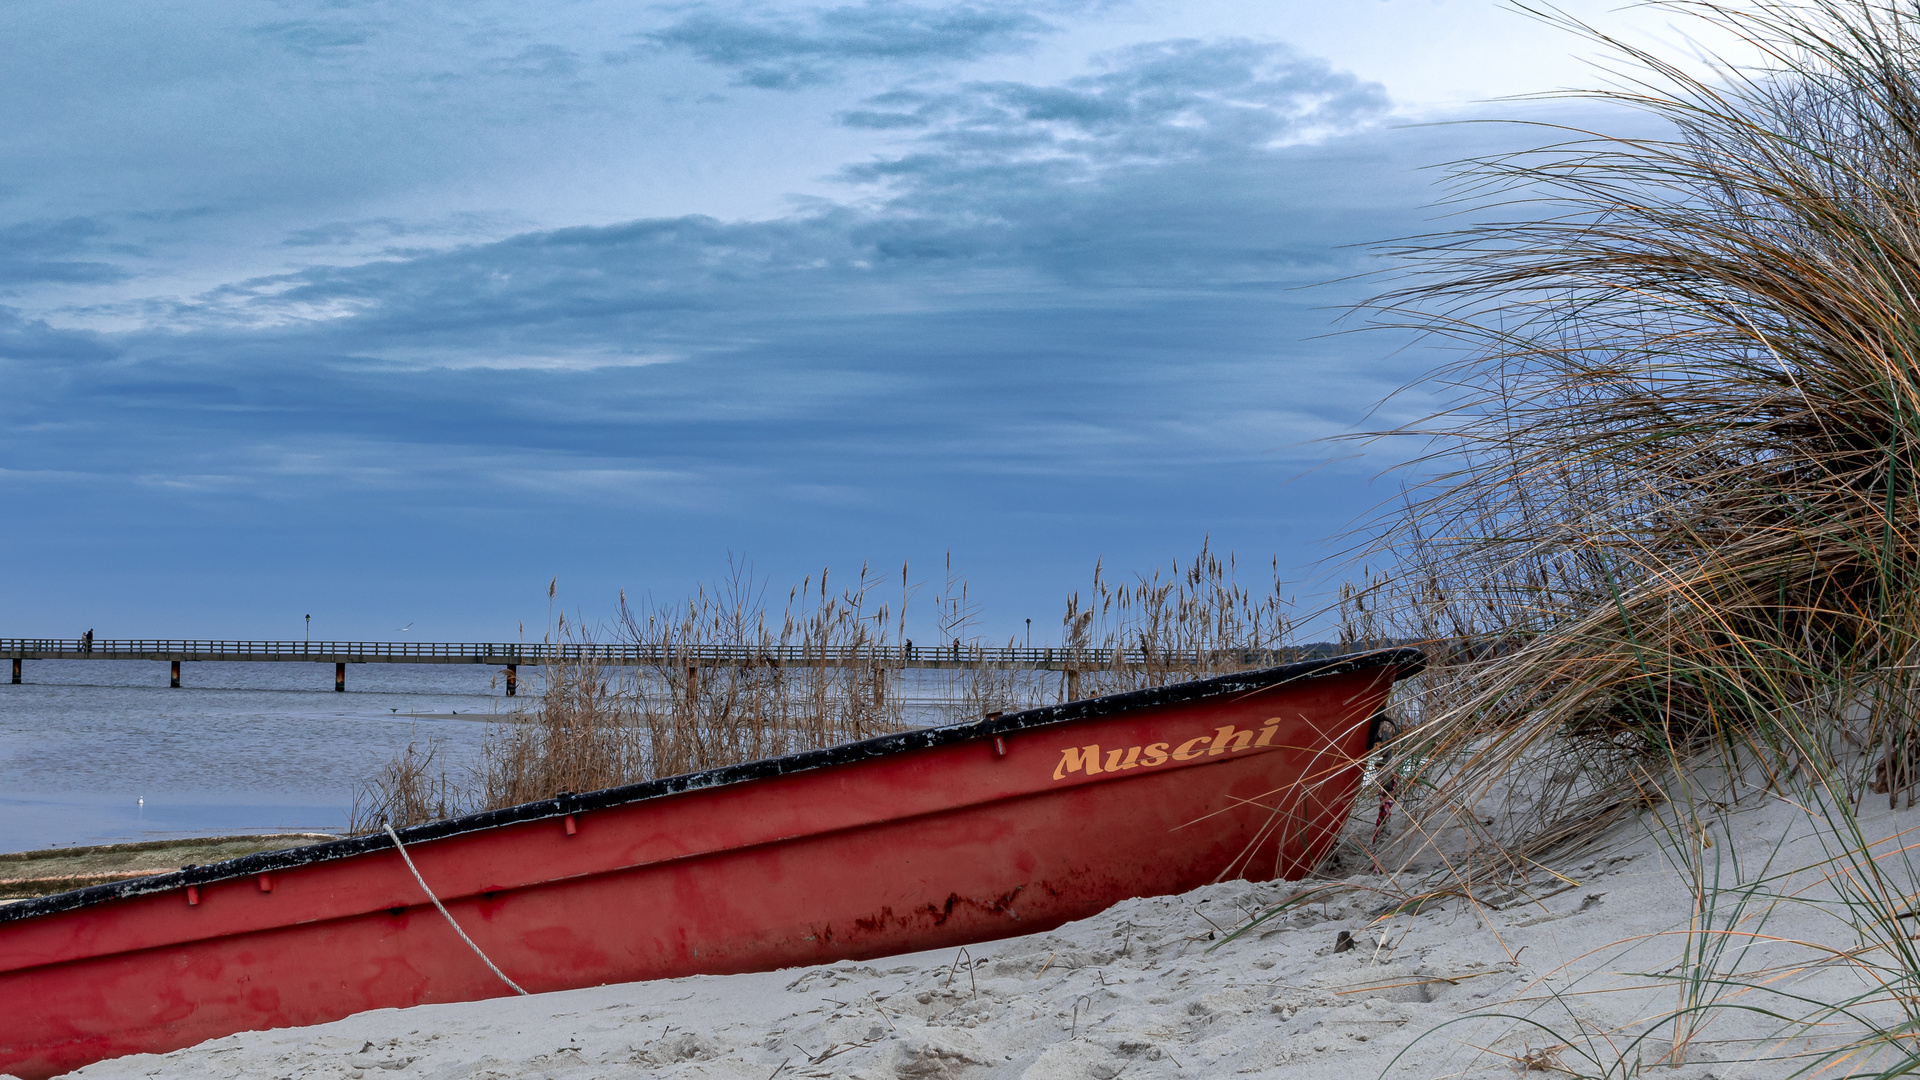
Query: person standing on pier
[{"x": 86, "y": 641}]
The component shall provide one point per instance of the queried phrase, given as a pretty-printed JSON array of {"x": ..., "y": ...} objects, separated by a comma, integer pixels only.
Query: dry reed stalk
[
  {"x": 1186, "y": 623},
  {"x": 698, "y": 715},
  {"x": 831, "y": 674},
  {"x": 583, "y": 738},
  {"x": 407, "y": 790}
]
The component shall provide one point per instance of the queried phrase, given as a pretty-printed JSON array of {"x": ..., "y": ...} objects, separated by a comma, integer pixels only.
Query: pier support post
[
  {"x": 176, "y": 675},
  {"x": 340, "y": 676},
  {"x": 1073, "y": 685},
  {"x": 16, "y": 671},
  {"x": 513, "y": 679}
]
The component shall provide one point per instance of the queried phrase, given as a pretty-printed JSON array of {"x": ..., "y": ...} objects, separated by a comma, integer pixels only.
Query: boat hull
[{"x": 1002, "y": 828}]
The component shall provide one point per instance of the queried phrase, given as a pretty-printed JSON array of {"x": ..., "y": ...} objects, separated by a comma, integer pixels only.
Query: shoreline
[{"x": 25, "y": 875}]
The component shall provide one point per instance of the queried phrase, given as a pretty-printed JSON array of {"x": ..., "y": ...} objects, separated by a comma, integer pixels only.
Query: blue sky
[{"x": 390, "y": 313}]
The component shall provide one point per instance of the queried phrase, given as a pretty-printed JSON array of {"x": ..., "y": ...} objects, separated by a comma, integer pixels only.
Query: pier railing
[{"x": 1037, "y": 658}]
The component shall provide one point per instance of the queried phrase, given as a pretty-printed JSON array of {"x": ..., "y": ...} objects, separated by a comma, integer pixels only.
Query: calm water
[
  {"x": 259, "y": 747},
  {"x": 241, "y": 747}
]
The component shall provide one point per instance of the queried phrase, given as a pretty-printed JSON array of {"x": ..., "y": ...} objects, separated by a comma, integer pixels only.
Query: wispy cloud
[
  {"x": 33, "y": 252},
  {"x": 31, "y": 341},
  {"x": 1155, "y": 172},
  {"x": 786, "y": 51},
  {"x": 540, "y": 62},
  {"x": 388, "y": 229},
  {"x": 1066, "y": 245},
  {"x": 1154, "y": 103},
  {"x": 313, "y": 37},
  {"x": 1066, "y": 307}
]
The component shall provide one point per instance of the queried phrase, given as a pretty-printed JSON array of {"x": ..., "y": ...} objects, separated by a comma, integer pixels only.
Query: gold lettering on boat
[
  {"x": 1230, "y": 736},
  {"x": 1077, "y": 758},
  {"x": 1092, "y": 761}
]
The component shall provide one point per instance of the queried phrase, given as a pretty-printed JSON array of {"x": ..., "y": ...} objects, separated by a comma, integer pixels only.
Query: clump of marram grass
[
  {"x": 829, "y": 671},
  {"x": 1682, "y": 510},
  {"x": 1673, "y": 547},
  {"x": 409, "y": 789}
]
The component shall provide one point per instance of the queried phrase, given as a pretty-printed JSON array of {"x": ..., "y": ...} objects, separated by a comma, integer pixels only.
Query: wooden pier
[{"x": 511, "y": 656}]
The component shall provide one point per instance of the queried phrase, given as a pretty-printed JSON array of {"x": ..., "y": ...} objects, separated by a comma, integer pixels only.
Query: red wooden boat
[{"x": 929, "y": 838}]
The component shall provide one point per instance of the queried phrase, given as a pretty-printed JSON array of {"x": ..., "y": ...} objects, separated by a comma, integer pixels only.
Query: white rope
[{"x": 491, "y": 966}]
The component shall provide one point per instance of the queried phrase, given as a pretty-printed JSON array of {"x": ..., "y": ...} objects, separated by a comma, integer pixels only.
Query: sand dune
[{"x": 1458, "y": 989}]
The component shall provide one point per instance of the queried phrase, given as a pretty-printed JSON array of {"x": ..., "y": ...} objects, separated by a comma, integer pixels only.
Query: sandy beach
[{"x": 1586, "y": 958}]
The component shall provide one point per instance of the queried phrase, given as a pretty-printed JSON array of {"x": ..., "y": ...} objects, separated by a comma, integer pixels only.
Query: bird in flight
[{"x": 404, "y": 629}]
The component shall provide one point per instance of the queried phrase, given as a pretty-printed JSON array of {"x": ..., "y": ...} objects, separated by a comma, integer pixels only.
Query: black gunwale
[{"x": 1407, "y": 661}]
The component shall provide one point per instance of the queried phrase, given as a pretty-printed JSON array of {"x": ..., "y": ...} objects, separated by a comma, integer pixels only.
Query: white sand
[{"x": 1135, "y": 992}]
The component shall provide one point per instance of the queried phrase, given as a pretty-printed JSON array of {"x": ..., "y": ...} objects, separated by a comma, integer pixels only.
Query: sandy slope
[{"x": 1136, "y": 992}]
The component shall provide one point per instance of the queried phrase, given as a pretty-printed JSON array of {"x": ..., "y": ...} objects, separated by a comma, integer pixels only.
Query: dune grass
[
  {"x": 1668, "y": 554},
  {"x": 1678, "y": 506}
]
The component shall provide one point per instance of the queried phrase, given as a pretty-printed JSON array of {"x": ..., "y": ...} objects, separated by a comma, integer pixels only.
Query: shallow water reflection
[{"x": 240, "y": 747}]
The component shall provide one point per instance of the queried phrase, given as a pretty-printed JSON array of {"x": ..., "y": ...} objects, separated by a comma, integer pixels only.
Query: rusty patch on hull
[{"x": 933, "y": 915}]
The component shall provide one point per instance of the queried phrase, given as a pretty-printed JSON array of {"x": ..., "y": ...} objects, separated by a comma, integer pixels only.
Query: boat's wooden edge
[{"x": 1404, "y": 662}]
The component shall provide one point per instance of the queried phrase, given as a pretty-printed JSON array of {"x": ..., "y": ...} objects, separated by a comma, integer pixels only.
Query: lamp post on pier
[{"x": 310, "y": 629}]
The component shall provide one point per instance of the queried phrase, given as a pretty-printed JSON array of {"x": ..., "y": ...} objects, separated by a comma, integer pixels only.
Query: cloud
[
  {"x": 1158, "y": 171},
  {"x": 784, "y": 52},
  {"x": 1080, "y": 279},
  {"x": 1129, "y": 326},
  {"x": 1154, "y": 104},
  {"x": 540, "y": 62},
  {"x": 553, "y": 360},
  {"x": 340, "y": 233},
  {"x": 1052, "y": 313},
  {"x": 32, "y": 341},
  {"x": 32, "y": 252},
  {"x": 309, "y": 38},
  {"x": 376, "y": 230}
]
